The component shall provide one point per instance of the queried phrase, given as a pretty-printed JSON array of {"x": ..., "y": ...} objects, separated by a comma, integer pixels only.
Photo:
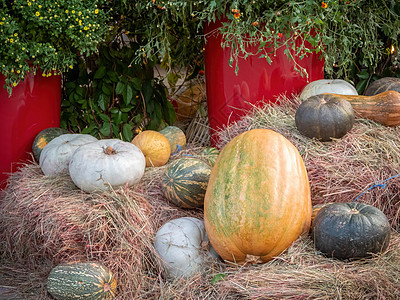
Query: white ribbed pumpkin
[
  {"x": 183, "y": 247},
  {"x": 55, "y": 157},
  {"x": 105, "y": 163},
  {"x": 335, "y": 86}
]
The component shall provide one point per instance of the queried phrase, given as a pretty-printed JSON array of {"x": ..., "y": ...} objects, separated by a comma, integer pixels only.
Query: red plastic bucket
[
  {"x": 229, "y": 96},
  {"x": 35, "y": 104}
]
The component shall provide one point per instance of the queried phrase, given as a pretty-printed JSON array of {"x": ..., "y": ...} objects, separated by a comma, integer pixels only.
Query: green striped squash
[
  {"x": 175, "y": 136},
  {"x": 84, "y": 280},
  {"x": 185, "y": 182},
  {"x": 209, "y": 154},
  {"x": 43, "y": 138}
]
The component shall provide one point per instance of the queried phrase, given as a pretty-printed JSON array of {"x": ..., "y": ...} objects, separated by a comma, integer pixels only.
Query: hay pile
[{"x": 45, "y": 221}]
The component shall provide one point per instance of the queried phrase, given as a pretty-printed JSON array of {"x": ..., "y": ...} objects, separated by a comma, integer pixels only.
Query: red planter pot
[
  {"x": 229, "y": 95},
  {"x": 35, "y": 104}
]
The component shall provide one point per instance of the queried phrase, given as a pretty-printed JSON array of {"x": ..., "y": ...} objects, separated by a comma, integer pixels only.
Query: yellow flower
[
  {"x": 1, "y": 23},
  {"x": 71, "y": 67},
  {"x": 14, "y": 84},
  {"x": 96, "y": 11},
  {"x": 39, "y": 6},
  {"x": 11, "y": 40},
  {"x": 15, "y": 34},
  {"x": 85, "y": 28},
  {"x": 324, "y": 5},
  {"x": 79, "y": 13},
  {"x": 237, "y": 15},
  {"x": 73, "y": 11},
  {"x": 66, "y": 11},
  {"x": 29, "y": 3},
  {"x": 18, "y": 71},
  {"x": 37, "y": 14}
]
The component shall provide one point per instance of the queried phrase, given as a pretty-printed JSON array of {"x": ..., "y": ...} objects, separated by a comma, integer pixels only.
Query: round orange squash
[
  {"x": 258, "y": 198},
  {"x": 155, "y": 147}
]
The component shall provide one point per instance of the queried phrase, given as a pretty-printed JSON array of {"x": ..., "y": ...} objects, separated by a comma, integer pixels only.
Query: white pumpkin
[
  {"x": 55, "y": 157},
  {"x": 183, "y": 247},
  {"x": 105, "y": 163},
  {"x": 335, "y": 86}
]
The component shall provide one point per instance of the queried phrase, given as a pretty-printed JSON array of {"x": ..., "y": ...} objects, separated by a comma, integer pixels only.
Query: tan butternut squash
[{"x": 383, "y": 108}]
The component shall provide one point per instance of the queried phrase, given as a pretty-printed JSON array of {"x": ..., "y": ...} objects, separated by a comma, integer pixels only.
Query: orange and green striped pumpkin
[
  {"x": 209, "y": 154},
  {"x": 258, "y": 198},
  {"x": 81, "y": 280},
  {"x": 185, "y": 182},
  {"x": 43, "y": 138}
]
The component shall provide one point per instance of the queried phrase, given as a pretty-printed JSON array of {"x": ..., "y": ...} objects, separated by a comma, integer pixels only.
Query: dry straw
[{"x": 45, "y": 221}]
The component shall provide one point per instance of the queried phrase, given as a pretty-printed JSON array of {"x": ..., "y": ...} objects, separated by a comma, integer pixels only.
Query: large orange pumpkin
[
  {"x": 155, "y": 147},
  {"x": 258, "y": 198}
]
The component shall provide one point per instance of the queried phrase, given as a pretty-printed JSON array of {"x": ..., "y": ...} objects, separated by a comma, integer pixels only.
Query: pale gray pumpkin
[
  {"x": 106, "y": 163},
  {"x": 183, "y": 247},
  {"x": 335, "y": 86},
  {"x": 55, "y": 157}
]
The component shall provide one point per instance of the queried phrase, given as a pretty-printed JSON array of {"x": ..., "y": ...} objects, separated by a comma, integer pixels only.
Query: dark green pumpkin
[
  {"x": 185, "y": 182},
  {"x": 382, "y": 85},
  {"x": 85, "y": 280},
  {"x": 209, "y": 155},
  {"x": 324, "y": 117},
  {"x": 350, "y": 230},
  {"x": 43, "y": 138}
]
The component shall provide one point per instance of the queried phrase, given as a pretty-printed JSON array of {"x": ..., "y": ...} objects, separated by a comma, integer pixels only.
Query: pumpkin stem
[
  {"x": 354, "y": 211},
  {"x": 106, "y": 287},
  {"x": 110, "y": 151}
]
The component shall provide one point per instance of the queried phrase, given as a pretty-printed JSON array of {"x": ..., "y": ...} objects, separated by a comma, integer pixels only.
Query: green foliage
[
  {"x": 218, "y": 277},
  {"x": 49, "y": 35},
  {"x": 341, "y": 31},
  {"x": 387, "y": 67},
  {"x": 108, "y": 96}
]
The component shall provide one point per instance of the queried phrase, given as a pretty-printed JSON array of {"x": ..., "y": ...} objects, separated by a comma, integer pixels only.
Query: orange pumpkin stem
[{"x": 110, "y": 151}]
